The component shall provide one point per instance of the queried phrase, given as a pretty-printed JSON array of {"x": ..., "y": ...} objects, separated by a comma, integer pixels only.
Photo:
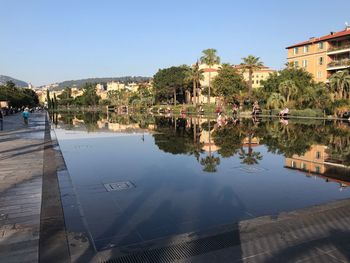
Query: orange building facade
[{"x": 322, "y": 56}]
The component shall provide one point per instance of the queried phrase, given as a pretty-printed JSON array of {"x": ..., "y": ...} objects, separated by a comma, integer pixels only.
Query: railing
[
  {"x": 338, "y": 63},
  {"x": 336, "y": 48}
]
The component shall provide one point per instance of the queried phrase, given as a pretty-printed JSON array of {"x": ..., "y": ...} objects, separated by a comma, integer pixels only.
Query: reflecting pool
[{"x": 144, "y": 177}]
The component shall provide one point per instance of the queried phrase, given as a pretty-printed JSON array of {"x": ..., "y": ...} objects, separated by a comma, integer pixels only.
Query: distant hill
[
  {"x": 81, "y": 82},
  {"x": 19, "y": 83}
]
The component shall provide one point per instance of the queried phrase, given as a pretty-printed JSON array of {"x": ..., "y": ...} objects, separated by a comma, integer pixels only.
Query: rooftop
[{"x": 332, "y": 35}]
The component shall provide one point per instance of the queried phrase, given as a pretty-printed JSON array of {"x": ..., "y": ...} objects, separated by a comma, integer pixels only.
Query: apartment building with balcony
[{"x": 322, "y": 56}]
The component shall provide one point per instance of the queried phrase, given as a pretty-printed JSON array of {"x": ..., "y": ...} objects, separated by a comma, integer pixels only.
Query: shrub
[{"x": 307, "y": 113}]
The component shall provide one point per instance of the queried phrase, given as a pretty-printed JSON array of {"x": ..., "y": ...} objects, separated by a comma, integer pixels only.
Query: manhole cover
[{"x": 119, "y": 186}]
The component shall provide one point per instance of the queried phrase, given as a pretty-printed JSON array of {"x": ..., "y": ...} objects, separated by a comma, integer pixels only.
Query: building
[
  {"x": 258, "y": 75},
  {"x": 115, "y": 86},
  {"x": 322, "y": 56}
]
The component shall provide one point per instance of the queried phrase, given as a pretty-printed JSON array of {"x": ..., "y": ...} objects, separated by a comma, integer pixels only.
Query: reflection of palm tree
[
  {"x": 250, "y": 157},
  {"x": 210, "y": 163}
]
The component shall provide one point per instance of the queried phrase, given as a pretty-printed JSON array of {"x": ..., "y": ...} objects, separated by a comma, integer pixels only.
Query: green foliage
[
  {"x": 18, "y": 97},
  {"x": 275, "y": 101},
  {"x": 307, "y": 113},
  {"x": 250, "y": 64},
  {"x": 228, "y": 83},
  {"x": 66, "y": 97},
  {"x": 301, "y": 79},
  {"x": 171, "y": 81},
  {"x": 89, "y": 97},
  {"x": 340, "y": 83}
]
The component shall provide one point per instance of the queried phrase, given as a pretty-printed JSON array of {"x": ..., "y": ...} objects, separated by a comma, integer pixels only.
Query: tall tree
[
  {"x": 89, "y": 97},
  {"x": 195, "y": 75},
  {"x": 288, "y": 89},
  {"x": 169, "y": 82},
  {"x": 340, "y": 81},
  {"x": 251, "y": 63},
  {"x": 48, "y": 99},
  {"x": 228, "y": 83},
  {"x": 210, "y": 58},
  {"x": 275, "y": 101}
]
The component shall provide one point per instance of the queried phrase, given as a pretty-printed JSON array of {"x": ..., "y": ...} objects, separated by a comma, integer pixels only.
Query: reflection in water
[
  {"x": 310, "y": 146},
  {"x": 192, "y": 174}
]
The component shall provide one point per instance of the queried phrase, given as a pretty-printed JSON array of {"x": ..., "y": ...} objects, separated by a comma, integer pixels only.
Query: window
[
  {"x": 296, "y": 64},
  {"x": 319, "y": 74},
  {"x": 320, "y": 45},
  {"x": 303, "y": 166},
  {"x": 320, "y": 61},
  {"x": 318, "y": 155},
  {"x": 318, "y": 169},
  {"x": 304, "y": 63},
  {"x": 306, "y": 49},
  {"x": 295, "y": 51},
  {"x": 294, "y": 165}
]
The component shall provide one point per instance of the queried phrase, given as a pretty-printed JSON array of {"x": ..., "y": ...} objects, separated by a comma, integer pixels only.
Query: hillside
[
  {"x": 19, "y": 83},
  {"x": 82, "y": 82}
]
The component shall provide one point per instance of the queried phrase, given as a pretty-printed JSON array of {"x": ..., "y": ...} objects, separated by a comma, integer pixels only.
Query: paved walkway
[{"x": 21, "y": 162}]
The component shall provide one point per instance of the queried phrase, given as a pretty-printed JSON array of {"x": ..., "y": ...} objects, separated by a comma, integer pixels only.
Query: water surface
[{"x": 192, "y": 174}]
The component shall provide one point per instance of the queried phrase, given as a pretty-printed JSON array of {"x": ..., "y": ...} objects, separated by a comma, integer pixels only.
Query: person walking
[{"x": 25, "y": 115}]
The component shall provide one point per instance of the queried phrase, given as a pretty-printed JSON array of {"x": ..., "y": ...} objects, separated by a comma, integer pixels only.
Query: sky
[{"x": 47, "y": 41}]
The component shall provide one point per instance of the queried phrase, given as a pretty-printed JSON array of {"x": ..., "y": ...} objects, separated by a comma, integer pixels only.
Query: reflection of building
[
  {"x": 208, "y": 143},
  {"x": 312, "y": 161},
  {"x": 324, "y": 55},
  {"x": 316, "y": 161}
]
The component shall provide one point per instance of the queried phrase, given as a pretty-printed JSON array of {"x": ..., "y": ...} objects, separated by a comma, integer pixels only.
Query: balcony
[
  {"x": 339, "y": 49},
  {"x": 339, "y": 64}
]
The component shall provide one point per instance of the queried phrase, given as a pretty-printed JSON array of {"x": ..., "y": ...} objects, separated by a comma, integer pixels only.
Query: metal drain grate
[
  {"x": 182, "y": 250},
  {"x": 250, "y": 169},
  {"x": 119, "y": 186}
]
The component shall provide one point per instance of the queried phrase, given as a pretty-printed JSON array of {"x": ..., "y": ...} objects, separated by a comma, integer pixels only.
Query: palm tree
[
  {"x": 275, "y": 101},
  {"x": 210, "y": 58},
  {"x": 195, "y": 75},
  {"x": 288, "y": 89},
  {"x": 340, "y": 81},
  {"x": 251, "y": 63}
]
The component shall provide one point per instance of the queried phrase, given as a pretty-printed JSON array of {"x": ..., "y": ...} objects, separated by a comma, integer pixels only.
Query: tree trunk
[
  {"x": 194, "y": 93},
  {"x": 250, "y": 83},
  {"x": 174, "y": 97},
  {"x": 209, "y": 86}
]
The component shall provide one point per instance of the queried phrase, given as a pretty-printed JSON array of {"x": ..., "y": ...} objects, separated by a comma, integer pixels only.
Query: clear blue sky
[{"x": 44, "y": 41}]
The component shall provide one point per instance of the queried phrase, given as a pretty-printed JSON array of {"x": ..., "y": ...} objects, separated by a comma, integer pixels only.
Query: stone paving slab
[{"x": 21, "y": 162}]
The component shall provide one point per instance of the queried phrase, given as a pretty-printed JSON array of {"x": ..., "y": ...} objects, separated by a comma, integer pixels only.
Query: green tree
[
  {"x": 195, "y": 75},
  {"x": 48, "y": 99},
  {"x": 54, "y": 101},
  {"x": 275, "y": 101},
  {"x": 66, "y": 97},
  {"x": 169, "y": 82},
  {"x": 288, "y": 89},
  {"x": 89, "y": 97},
  {"x": 228, "y": 83},
  {"x": 299, "y": 76},
  {"x": 210, "y": 58},
  {"x": 340, "y": 81},
  {"x": 251, "y": 63}
]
